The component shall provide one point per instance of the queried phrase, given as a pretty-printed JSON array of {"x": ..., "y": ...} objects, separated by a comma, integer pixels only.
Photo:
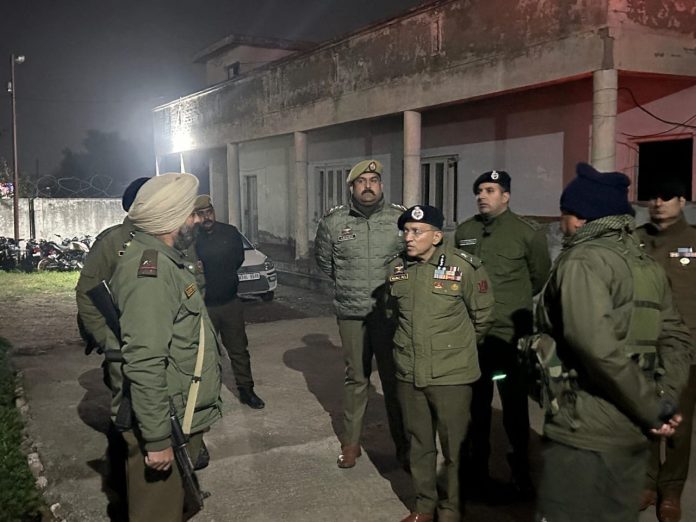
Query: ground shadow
[
  {"x": 321, "y": 364},
  {"x": 95, "y": 411}
]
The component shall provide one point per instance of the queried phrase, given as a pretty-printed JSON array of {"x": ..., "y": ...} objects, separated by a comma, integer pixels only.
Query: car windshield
[{"x": 247, "y": 244}]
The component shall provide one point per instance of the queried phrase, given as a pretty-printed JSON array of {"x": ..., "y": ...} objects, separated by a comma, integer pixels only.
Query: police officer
[
  {"x": 609, "y": 308},
  {"x": 220, "y": 249},
  {"x": 444, "y": 306},
  {"x": 672, "y": 242},
  {"x": 99, "y": 266},
  {"x": 515, "y": 253},
  {"x": 352, "y": 246},
  {"x": 165, "y": 329}
]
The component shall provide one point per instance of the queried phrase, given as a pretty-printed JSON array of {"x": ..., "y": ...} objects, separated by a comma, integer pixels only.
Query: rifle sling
[{"x": 195, "y": 382}]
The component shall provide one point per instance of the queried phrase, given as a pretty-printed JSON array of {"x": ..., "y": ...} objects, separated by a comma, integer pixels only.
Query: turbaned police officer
[
  {"x": 515, "y": 253},
  {"x": 352, "y": 246},
  {"x": 444, "y": 304},
  {"x": 624, "y": 355},
  {"x": 165, "y": 330}
]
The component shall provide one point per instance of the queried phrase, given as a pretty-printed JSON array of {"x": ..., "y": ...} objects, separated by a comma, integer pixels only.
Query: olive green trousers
[
  {"x": 155, "y": 496},
  {"x": 443, "y": 411}
]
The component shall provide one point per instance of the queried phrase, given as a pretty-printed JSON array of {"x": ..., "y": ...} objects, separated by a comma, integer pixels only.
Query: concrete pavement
[{"x": 277, "y": 464}]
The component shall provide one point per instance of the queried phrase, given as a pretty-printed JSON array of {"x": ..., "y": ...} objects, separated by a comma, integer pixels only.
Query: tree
[{"x": 105, "y": 166}]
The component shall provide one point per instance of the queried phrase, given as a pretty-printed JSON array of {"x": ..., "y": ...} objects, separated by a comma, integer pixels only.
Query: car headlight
[{"x": 268, "y": 265}]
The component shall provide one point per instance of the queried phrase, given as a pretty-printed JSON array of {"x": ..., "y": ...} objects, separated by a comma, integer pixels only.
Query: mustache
[{"x": 368, "y": 191}]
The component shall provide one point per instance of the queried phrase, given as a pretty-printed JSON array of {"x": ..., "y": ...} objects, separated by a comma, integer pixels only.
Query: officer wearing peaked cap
[
  {"x": 515, "y": 253},
  {"x": 352, "y": 246},
  {"x": 444, "y": 304}
]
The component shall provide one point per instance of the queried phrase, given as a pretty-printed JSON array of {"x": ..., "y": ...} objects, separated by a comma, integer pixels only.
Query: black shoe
[{"x": 248, "y": 397}]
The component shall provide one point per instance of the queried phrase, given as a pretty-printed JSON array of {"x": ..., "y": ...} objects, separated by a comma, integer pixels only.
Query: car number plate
[{"x": 249, "y": 277}]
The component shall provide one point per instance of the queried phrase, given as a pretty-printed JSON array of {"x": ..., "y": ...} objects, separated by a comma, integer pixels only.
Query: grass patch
[
  {"x": 17, "y": 284},
  {"x": 19, "y": 497}
]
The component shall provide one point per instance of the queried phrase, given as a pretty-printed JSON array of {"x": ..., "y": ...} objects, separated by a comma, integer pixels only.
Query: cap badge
[
  {"x": 372, "y": 167},
  {"x": 417, "y": 213},
  {"x": 495, "y": 175}
]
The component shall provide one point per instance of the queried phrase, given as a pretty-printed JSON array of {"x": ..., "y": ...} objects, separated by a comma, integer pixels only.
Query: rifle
[{"x": 193, "y": 496}]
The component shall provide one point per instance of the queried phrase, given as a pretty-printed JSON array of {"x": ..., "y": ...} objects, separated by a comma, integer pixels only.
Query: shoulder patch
[
  {"x": 529, "y": 222},
  {"x": 472, "y": 260},
  {"x": 392, "y": 258},
  {"x": 148, "y": 264},
  {"x": 334, "y": 209}
]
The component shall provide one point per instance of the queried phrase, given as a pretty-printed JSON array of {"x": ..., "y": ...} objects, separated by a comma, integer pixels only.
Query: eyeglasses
[{"x": 417, "y": 232}]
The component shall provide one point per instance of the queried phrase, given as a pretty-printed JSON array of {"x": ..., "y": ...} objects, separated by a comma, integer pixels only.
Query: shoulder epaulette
[
  {"x": 472, "y": 260},
  {"x": 398, "y": 207},
  {"x": 529, "y": 222},
  {"x": 334, "y": 209},
  {"x": 392, "y": 258},
  {"x": 148, "y": 263},
  {"x": 106, "y": 231}
]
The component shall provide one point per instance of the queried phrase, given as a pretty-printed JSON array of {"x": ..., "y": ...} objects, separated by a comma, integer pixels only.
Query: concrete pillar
[
  {"x": 412, "y": 158},
  {"x": 217, "y": 176},
  {"x": 301, "y": 171},
  {"x": 604, "y": 106},
  {"x": 234, "y": 199}
]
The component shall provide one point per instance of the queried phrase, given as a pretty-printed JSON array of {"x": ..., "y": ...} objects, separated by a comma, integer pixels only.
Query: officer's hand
[
  {"x": 669, "y": 427},
  {"x": 160, "y": 460}
]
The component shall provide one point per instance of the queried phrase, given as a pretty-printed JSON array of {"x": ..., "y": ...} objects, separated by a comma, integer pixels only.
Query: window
[
  {"x": 439, "y": 185},
  {"x": 332, "y": 189},
  {"x": 233, "y": 70},
  {"x": 665, "y": 159}
]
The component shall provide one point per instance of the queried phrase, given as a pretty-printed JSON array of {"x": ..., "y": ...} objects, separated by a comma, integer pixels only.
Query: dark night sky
[{"x": 104, "y": 64}]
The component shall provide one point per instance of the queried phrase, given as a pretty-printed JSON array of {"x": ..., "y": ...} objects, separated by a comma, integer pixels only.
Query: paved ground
[{"x": 277, "y": 464}]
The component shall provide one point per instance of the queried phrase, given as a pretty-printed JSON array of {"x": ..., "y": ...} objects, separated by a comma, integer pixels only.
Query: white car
[{"x": 257, "y": 275}]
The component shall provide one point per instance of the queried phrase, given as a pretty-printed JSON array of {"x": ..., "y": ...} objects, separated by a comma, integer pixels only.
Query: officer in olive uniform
[
  {"x": 99, "y": 266},
  {"x": 624, "y": 354},
  {"x": 352, "y": 246},
  {"x": 444, "y": 304},
  {"x": 672, "y": 242},
  {"x": 515, "y": 253},
  {"x": 165, "y": 331}
]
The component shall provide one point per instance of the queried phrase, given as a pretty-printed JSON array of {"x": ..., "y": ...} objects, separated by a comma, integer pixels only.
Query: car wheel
[{"x": 268, "y": 296}]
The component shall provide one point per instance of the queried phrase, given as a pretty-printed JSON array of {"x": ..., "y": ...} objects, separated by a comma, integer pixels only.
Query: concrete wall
[
  {"x": 67, "y": 217},
  {"x": 248, "y": 57}
]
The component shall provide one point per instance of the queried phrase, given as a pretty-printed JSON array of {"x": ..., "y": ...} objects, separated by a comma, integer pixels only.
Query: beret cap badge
[
  {"x": 417, "y": 213},
  {"x": 494, "y": 175}
]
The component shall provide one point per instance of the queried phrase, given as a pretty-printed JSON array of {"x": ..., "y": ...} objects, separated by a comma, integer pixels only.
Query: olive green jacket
[
  {"x": 586, "y": 307},
  {"x": 670, "y": 247},
  {"x": 515, "y": 253},
  {"x": 353, "y": 251},
  {"x": 100, "y": 265},
  {"x": 161, "y": 310},
  {"x": 440, "y": 320}
]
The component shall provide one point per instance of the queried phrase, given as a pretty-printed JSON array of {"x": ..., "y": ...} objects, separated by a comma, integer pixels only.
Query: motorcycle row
[{"x": 39, "y": 255}]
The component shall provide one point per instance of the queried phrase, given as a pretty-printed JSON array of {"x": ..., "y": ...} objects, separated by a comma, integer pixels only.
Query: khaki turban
[{"x": 164, "y": 203}]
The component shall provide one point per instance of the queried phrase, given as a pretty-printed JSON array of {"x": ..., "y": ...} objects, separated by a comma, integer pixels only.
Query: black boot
[
  {"x": 248, "y": 397},
  {"x": 523, "y": 488}
]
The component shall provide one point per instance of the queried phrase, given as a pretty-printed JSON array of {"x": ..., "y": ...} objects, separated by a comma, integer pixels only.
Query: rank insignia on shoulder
[
  {"x": 190, "y": 290},
  {"x": 399, "y": 274},
  {"x": 148, "y": 264}
]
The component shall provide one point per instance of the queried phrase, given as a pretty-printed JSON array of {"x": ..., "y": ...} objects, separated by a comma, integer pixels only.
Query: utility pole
[{"x": 15, "y": 178}]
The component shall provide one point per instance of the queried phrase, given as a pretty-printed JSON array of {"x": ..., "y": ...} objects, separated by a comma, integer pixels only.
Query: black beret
[
  {"x": 500, "y": 177},
  {"x": 132, "y": 191},
  {"x": 666, "y": 189},
  {"x": 422, "y": 214}
]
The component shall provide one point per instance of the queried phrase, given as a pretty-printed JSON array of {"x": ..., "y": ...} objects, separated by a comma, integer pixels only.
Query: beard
[{"x": 186, "y": 236}]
